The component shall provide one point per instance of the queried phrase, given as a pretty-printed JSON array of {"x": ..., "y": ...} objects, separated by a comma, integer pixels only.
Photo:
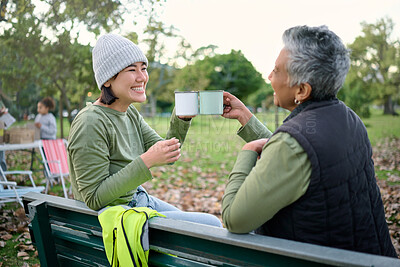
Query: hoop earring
[{"x": 297, "y": 102}]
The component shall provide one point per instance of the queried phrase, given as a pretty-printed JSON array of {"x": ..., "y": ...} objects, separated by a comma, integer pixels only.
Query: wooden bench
[{"x": 67, "y": 233}]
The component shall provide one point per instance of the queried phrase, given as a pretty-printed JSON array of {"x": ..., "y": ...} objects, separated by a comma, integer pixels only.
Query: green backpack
[{"x": 125, "y": 234}]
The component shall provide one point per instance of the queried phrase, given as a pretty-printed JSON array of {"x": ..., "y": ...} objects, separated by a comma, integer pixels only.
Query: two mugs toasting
[{"x": 190, "y": 103}]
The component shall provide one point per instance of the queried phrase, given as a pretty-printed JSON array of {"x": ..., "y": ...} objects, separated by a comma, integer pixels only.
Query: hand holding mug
[
  {"x": 235, "y": 109},
  {"x": 162, "y": 152},
  {"x": 186, "y": 118}
]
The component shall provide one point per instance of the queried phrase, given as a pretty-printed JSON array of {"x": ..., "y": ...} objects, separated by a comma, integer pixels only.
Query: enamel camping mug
[
  {"x": 186, "y": 103},
  {"x": 211, "y": 102}
]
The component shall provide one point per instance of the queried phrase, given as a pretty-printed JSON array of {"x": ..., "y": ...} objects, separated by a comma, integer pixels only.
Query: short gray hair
[{"x": 316, "y": 56}]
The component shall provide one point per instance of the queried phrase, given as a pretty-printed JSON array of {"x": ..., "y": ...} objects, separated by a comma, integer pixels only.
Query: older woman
[{"x": 313, "y": 180}]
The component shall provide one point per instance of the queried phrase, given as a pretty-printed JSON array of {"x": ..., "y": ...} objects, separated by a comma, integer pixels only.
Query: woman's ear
[
  {"x": 107, "y": 83},
  {"x": 304, "y": 92}
]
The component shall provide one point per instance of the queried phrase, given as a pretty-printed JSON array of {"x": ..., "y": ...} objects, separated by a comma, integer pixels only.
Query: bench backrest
[{"x": 67, "y": 233}]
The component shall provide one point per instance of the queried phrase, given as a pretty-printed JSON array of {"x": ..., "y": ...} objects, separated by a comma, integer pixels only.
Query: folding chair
[
  {"x": 54, "y": 155},
  {"x": 10, "y": 191}
]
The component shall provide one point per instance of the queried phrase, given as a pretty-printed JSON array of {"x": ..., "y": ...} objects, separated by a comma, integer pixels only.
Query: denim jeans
[{"x": 142, "y": 199}]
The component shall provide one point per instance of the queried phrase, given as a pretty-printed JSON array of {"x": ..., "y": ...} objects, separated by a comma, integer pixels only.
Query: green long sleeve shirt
[
  {"x": 258, "y": 188},
  {"x": 104, "y": 151}
]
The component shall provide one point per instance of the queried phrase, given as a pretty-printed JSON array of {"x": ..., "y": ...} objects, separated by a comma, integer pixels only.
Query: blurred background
[{"x": 45, "y": 48}]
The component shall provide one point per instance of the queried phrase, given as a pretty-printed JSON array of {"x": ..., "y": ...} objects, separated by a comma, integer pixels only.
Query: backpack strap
[
  {"x": 127, "y": 242},
  {"x": 114, "y": 247}
]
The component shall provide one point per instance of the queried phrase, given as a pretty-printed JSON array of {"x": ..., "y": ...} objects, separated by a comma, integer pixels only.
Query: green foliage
[
  {"x": 355, "y": 93},
  {"x": 375, "y": 61},
  {"x": 262, "y": 97},
  {"x": 40, "y": 54},
  {"x": 194, "y": 77},
  {"x": 95, "y": 14},
  {"x": 230, "y": 72},
  {"x": 235, "y": 74},
  {"x": 19, "y": 47}
]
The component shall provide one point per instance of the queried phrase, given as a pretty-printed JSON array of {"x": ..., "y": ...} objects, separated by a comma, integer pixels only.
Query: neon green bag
[{"x": 125, "y": 234}]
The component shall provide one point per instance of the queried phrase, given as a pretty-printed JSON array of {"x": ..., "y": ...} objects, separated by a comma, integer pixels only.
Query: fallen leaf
[
  {"x": 6, "y": 237},
  {"x": 22, "y": 254}
]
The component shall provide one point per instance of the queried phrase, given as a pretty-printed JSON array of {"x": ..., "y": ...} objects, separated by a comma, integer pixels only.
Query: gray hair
[{"x": 316, "y": 56}]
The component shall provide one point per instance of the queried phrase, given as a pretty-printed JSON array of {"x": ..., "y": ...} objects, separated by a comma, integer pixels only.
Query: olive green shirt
[
  {"x": 258, "y": 188},
  {"x": 104, "y": 151}
]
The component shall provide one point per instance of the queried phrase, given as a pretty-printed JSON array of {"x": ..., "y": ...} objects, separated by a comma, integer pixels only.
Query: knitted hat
[{"x": 113, "y": 53}]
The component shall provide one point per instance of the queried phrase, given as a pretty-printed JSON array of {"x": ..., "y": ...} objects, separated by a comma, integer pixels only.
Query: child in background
[{"x": 45, "y": 120}]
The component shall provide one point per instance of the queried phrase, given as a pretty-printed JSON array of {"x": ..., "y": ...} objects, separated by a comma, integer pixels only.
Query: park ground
[{"x": 197, "y": 181}]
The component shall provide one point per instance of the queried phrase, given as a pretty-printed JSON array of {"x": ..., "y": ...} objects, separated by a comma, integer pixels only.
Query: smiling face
[
  {"x": 130, "y": 84},
  {"x": 284, "y": 95}
]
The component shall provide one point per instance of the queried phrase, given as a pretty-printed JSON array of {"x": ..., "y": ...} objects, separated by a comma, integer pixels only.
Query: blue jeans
[{"x": 143, "y": 199}]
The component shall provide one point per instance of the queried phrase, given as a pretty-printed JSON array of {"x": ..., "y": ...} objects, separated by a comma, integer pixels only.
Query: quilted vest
[{"x": 342, "y": 206}]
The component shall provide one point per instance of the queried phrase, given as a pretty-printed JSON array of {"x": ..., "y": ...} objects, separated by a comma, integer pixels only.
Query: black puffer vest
[{"x": 342, "y": 207}]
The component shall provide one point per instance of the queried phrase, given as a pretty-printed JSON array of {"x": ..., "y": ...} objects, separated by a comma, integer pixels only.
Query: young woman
[
  {"x": 111, "y": 148},
  {"x": 45, "y": 120}
]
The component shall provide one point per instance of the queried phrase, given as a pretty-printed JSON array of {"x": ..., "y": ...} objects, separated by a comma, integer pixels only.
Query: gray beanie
[{"x": 113, "y": 53}]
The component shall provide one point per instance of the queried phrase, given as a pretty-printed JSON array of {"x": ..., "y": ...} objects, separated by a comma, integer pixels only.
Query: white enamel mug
[{"x": 186, "y": 103}]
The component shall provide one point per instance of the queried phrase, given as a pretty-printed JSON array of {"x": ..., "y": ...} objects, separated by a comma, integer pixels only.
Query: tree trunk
[
  {"x": 389, "y": 106},
  {"x": 61, "y": 116},
  {"x": 153, "y": 105}
]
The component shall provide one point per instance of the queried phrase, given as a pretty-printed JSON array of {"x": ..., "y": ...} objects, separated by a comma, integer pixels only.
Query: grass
[
  {"x": 210, "y": 150},
  {"x": 385, "y": 174},
  {"x": 380, "y": 126},
  {"x": 212, "y": 145},
  {"x": 8, "y": 252}
]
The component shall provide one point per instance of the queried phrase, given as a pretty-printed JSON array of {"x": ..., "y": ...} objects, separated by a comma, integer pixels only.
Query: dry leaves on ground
[
  {"x": 387, "y": 158},
  {"x": 16, "y": 223},
  {"x": 203, "y": 193}
]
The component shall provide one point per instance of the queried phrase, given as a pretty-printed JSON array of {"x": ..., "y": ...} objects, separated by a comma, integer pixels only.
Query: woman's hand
[
  {"x": 162, "y": 152},
  {"x": 235, "y": 109},
  {"x": 186, "y": 118},
  {"x": 256, "y": 145}
]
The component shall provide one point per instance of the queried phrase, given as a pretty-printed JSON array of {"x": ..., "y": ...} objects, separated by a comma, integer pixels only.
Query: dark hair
[
  {"x": 48, "y": 102},
  {"x": 107, "y": 97}
]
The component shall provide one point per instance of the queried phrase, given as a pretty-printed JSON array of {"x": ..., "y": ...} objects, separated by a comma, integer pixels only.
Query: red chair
[{"x": 54, "y": 155}]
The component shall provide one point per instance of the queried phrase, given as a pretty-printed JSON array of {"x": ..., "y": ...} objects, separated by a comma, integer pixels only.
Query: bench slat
[
  {"x": 217, "y": 253},
  {"x": 76, "y": 234}
]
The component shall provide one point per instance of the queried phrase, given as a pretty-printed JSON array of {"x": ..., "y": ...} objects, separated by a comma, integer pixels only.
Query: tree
[
  {"x": 19, "y": 49},
  {"x": 375, "y": 61},
  {"x": 230, "y": 72},
  {"x": 156, "y": 32},
  {"x": 262, "y": 98},
  {"x": 195, "y": 77},
  {"x": 235, "y": 74},
  {"x": 55, "y": 62},
  {"x": 355, "y": 93}
]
